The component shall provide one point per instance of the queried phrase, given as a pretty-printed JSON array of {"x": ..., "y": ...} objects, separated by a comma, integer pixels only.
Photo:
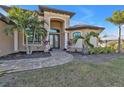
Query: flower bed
[{"x": 23, "y": 55}]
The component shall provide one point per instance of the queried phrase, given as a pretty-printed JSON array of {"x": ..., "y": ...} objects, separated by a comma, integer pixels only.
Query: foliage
[
  {"x": 76, "y": 38},
  {"x": 36, "y": 26},
  {"x": 26, "y": 22},
  {"x": 117, "y": 19},
  {"x": 115, "y": 45},
  {"x": 101, "y": 50},
  {"x": 87, "y": 38},
  {"x": 20, "y": 18}
]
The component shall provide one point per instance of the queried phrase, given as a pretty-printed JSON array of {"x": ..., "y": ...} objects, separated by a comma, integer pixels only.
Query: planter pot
[
  {"x": 85, "y": 51},
  {"x": 47, "y": 48}
]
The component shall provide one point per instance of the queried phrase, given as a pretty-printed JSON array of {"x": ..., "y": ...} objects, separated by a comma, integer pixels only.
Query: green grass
[
  {"x": 1, "y": 62},
  {"x": 2, "y": 73},
  {"x": 72, "y": 74}
]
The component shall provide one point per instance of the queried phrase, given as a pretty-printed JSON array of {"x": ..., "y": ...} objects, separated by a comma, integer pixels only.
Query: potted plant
[{"x": 47, "y": 46}]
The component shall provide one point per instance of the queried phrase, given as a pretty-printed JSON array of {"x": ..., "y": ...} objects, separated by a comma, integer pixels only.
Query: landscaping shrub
[
  {"x": 115, "y": 45},
  {"x": 101, "y": 50}
]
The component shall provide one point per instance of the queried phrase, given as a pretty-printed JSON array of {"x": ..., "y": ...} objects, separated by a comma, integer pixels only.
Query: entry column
[{"x": 15, "y": 40}]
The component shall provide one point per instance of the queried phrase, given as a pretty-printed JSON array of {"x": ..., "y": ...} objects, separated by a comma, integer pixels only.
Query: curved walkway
[{"x": 58, "y": 57}]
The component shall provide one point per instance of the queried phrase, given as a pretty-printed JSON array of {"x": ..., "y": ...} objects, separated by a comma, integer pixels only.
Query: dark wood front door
[{"x": 54, "y": 41}]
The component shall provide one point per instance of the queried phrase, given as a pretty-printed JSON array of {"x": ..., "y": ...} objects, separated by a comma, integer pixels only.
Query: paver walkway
[{"x": 58, "y": 57}]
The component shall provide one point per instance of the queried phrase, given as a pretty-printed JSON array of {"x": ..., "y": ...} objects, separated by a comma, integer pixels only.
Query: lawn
[{"x": 71, "y": 74}]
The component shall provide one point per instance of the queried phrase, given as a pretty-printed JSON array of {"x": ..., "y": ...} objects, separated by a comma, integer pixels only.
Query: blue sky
[{"x": 92, "y": 14}]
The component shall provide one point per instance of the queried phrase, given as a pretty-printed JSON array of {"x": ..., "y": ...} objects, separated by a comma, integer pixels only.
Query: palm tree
[
  {"x": 26, "y": 22},
  {"x": 86, "y": 40},
  {"x": 88, "y": 37},
  {"x": 87, "y": 43},
  {"x": 20, "y": 20},
  {"x": 37, "y": 27},
  {"x": 117, "y": 19}
]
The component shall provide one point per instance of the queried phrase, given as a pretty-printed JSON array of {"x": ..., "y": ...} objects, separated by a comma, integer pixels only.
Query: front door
[{"x": 54, "y": 41}]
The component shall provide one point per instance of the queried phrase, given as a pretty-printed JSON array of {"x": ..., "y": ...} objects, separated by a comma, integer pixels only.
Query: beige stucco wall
[
  {"x": 84, "y": 32},
  {"x": 66, "y": 22},
  {"x": 22, "y": 47},
  {"x": 65, "y": 18},
  {"x": 56, "y": 25},
  {"x": 6, "y": 42}
]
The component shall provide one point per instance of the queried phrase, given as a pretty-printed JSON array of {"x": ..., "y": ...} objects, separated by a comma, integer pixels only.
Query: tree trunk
[
  {"x": 85, "y": 49},
  {"x": 26, "y": 43},
  {"x": 33, "y": 42},
  {"x": 33, "y": 38},
  {"x": 119, "y": 40},
  {"x": 106, "y": 43}
]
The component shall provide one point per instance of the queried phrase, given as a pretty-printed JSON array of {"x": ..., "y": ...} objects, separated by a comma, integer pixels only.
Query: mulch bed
[{"x": 23, "y": 55}]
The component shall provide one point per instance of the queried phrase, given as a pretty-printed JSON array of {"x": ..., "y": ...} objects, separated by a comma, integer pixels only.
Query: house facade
[{"x": 58, "y": 27}]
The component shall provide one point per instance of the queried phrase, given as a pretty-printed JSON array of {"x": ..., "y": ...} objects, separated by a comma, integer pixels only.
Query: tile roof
[
  {"x": 82, "y": 26},
  {"x": 5, "y": 19},
  {"x": 45, "y": 8}
]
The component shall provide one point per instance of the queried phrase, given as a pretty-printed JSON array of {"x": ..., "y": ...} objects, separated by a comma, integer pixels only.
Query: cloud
[
  {"x": 85, "y": 13},
  {"x": 84, "y": 16}
]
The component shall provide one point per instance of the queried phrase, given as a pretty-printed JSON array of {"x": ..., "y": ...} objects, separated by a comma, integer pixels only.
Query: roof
[
  {"x": 5, "y": 19},
  {"x": 45, "y": 8},
  {"x": 6, "y": 8},
  {"x": 84, "y": 26}
]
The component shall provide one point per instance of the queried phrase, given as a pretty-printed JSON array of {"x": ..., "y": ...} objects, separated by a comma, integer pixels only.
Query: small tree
[
  {"x": 26, "y": 22},
  {"x": 86, "y": 40},
  {"x": 117, "y": 19},
  {"x": 37, "y": 27},
  {"x": 88, "y": 37}
]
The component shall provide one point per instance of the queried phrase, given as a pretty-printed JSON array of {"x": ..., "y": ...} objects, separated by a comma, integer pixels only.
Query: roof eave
[
  {"x": 5, "y": 19},
  {"x": 79, "y": 28},
  {"x": 44, "y": 8},
  {"x": 5, "y": 8}
]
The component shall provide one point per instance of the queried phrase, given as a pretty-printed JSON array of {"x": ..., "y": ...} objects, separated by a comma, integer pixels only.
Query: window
[
  {"x": 76, "y": 34},
  {"x": 30, "y": 38},
  {"x": 54, "y": 31}
]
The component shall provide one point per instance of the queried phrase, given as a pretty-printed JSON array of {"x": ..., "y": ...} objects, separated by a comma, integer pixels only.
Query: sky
[{"x": 88, "y": 14}]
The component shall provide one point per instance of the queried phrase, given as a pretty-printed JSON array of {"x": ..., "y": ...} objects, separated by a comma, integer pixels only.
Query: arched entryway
[{"x": 56, "y": 34}]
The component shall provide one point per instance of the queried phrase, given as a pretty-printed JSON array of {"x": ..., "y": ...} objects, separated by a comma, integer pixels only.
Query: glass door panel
[
  {"x": 54, "y": 41},
  {"x": 51, "y": 41}
]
